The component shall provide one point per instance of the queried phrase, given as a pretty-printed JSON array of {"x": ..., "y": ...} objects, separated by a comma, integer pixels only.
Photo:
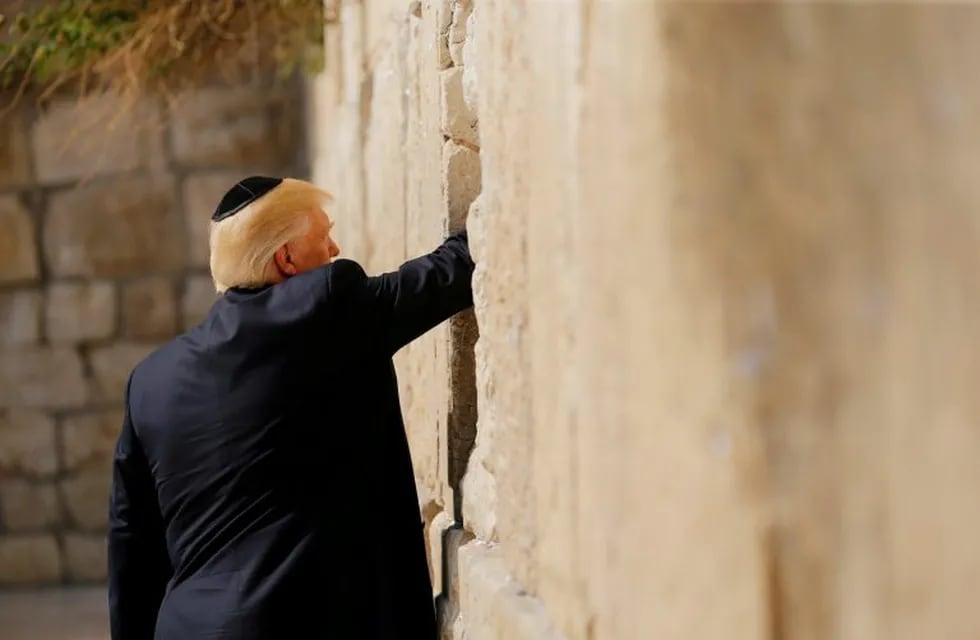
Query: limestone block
[
  {"x": 42, "y": 377},
  {"x": 202, "y": 193},
  {"x": 80, "y": 311},
  {"x": 199, "y": 297},
  {"x": 444, "y": 19},
  {"x": 29, "y": 559},
  {"x": 244, "y": 126},
  {"x": 85, "y": 557},
  {"x": 86, "y": 495},
  {"x": 28, "y": 443},
  {"x": 90, "y": 438},
  {"x": 458, "y": 121},
  {"x": 471, "y": 78},
  {"x": 116, "y": 228},
  {"x": 97, "y": 135},
  {"x": 18, "y": 246},
  {"x": 149, "y": 308},
  {"x": 27, "y": 505},
  {"x": 480, "y": 494},
  {"x": 20, "y": 317},
  {"x": 111, "y": 366},
  {"x": 461, "y": 179},
  {"x": 15, "y": 157},
  {"x": 457, "y": 30},
  {"x": 440, "y": 524},
  {"x": 493, "y": 605}
]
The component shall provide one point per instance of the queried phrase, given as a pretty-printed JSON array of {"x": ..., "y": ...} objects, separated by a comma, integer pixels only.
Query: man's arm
[
  {"x": 139, "y": 566},
  {"x": 423, "y": 292}
]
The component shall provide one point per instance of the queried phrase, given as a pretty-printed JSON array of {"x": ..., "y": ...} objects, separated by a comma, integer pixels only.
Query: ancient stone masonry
[
  {"x": 726, "y": 296},
  {"x": 103, "y": 255}
]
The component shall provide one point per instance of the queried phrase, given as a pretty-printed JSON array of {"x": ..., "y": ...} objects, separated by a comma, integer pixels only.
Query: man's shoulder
[{"x": 338, "y": 277}]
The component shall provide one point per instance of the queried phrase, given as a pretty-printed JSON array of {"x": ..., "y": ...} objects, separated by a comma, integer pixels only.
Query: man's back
[{"x": 263, "y": 454}]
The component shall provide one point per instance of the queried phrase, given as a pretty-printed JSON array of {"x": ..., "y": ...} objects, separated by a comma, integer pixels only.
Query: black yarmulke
[{"x": 242, "y": 194}]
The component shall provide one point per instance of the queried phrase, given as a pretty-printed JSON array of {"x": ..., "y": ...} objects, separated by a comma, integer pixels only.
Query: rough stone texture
[
  {"x": 461, "y": 177},
  {"x": 28, "y": 443},
  {"x": 20, "y": 317},
  {"x": 493, "y": 604},
  {"x": 86, "y": 494},
  {"x": 462, "y": 10},
  {"x": 41, "y": 377},
  {"x": 442, "y": 13},
  {"x": 79, "y": 312},
  {"x": 27, "y": 505},
  {"x": 85, "y": 557},
  {"x": 111, "y": 367},
  {"x": 499, "y": 485},
  {"x": 434, "y": 538},
  {"x": 113, "y": 228},
  {"x": 250, "y": 126},
  {"x": 149, "y": 309},
  {"x": 458, "y": 121},
  {"x": 726, "y": 273},
  {"x": 202, "y": 192},
  {"x": 29, "y": 560},
  {"x": 90, "y": 438},
  {"x": 18, "y": 250},
  {"x": 96, "y": 136},
  {"x": 15, "y": 157},
  {"x": 199, "y": 297}
]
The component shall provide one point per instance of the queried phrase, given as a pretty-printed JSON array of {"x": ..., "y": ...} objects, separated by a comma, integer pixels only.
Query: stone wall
[
  {"x": 726, "y": 301},
  {"x": 103, "y": 255}
]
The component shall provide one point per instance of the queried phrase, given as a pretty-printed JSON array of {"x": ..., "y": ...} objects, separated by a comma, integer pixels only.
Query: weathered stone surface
[
  {"x": 86, "y": 495},
  {"x": 434, "y": 538},
  {"x": 27, "y": 505},
  {"x": 27, "y": 443},
  {"x": 199, "y": 296},
  {"x": 461, "y": 179},
  {"x": 20, "y": 317},
  {"x": 202, "y": 192},
  {"x": 114, "y": 228},
  {"x": 471, "y": 78},
  {"x": 149, "y": 308},
  {"x": 492, "y": 604},
  {"x": 80, "y": 311},
  {"x": 444, "y": 18},
  {"x": 42, "y": 377},
  {"x": 111, "y": 366},
  {"x": 18, "y": 246},
  {"x": 458, "y": 122},
  {"x": 85, "y": 557},
  {"x": 236, "y": 126},
  {"x": 15, "y": 158},
  {"x": 98, "y": 135},
  {"x": 90, "y": 438},
  {"x": 29, "y": 560},
  {"x": 457, "y": 30}
]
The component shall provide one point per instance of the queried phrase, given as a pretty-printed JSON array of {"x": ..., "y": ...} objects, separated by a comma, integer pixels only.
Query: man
[{"x": 262, "y": 485}]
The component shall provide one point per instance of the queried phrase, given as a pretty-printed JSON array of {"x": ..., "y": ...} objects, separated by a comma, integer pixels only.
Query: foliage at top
[{"x": 135, "y": 46}]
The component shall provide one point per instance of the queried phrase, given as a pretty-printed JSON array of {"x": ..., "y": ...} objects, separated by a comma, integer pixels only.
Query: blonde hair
[{"x": 242, "y": 245}]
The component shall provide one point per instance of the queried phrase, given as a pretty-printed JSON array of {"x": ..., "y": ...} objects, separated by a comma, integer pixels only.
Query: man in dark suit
[{"x": 262, "y": 485}]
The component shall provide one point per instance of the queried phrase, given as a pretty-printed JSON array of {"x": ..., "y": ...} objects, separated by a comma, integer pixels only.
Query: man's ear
[{"x": 284, "y": 261}]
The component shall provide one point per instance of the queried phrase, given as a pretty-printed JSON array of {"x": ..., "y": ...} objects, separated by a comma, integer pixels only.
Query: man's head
[{"x": 266, "y": 231}]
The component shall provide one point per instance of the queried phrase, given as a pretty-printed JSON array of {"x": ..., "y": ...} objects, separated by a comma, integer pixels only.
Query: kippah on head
[{"x": 243, "y": 194}]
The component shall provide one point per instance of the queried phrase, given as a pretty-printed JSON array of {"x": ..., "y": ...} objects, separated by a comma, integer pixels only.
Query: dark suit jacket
[{"x": 262, "y": 484}]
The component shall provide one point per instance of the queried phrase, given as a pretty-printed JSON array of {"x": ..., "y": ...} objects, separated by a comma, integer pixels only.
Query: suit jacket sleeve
[
  {"x": 139, "y": 566},
  {"x": 404, "y": 304}
]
